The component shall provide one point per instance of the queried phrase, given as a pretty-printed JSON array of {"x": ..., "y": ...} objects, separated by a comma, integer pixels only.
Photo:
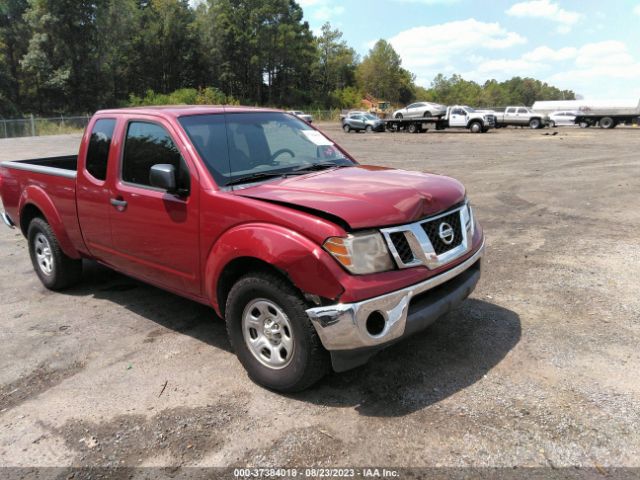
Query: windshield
[
  {"x": 470, "y": 110},
  {"x": 264, "y": 144},
  {"x": 368, "y": 116}
]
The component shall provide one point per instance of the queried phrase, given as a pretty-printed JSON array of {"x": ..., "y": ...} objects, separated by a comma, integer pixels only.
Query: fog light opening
[{"x": 376, "y": 323}]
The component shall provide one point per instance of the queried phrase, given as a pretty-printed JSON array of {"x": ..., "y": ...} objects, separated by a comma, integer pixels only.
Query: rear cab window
[{"x": 99, "y": 146}]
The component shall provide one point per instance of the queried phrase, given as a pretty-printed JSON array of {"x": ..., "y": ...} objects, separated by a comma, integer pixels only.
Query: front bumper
[
  {"x": 343, "y": 328},
  {"x": 7, "y": 220}
]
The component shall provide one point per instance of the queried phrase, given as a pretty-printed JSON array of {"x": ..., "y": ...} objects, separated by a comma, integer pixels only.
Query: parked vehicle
[
  {"x": 302, "y": 116},
  {"x": 458, "y": 116},
  {"x": 521, "y": 117},
  {"x": 306, "y": 254},
  {"x": 602, "y": 113},
  {"x": 359, "y": 122},
  {"x": 349, "y": 113},
  {"x": 565, "y": 118},
  {"x": 420, "y": 110}
]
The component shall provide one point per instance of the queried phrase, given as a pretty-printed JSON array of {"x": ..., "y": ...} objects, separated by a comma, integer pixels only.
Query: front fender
[
  {"x": 307, "y": 265},
  {"x": 36, "y": 196}
]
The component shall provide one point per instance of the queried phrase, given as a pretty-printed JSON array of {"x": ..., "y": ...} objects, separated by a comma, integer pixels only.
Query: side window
[
  {"x": 146, "y": 145},
  {"x": 522, "y": 110},
  {"x": 511, "y": 110},
  {"x": 99, "y": 145}
]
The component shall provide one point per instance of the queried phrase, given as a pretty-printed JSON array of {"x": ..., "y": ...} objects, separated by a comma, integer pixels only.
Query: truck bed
[
  {"x": 65, "y": 166},
  {"x": 50, "y": 185}
]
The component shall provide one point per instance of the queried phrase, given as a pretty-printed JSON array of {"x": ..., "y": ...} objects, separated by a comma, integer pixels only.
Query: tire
[
  {"x": 535, "y": 123},
  {"x": 346, "y": 128},
  {"x": 399, "y": 116},
  {"x": 412, "y": 128},
  {"x": 369, "y": 129},
  {"x": 55, "y": 270},
  {"x": 426, "y": 114},
  {"x": 273, "y": 297},
  {"x": 552, "y": 124},
  {"x": 607, "y": 122},
  {"x": 584, "y": 125},
  {"x": 475, "y": 127}
]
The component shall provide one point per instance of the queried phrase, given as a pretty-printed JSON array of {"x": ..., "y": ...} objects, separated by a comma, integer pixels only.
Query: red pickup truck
[{"x": 311, "y": 258}]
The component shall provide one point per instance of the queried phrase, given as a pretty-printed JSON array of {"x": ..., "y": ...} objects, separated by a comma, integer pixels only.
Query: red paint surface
[{"x": 183, "y": 244}]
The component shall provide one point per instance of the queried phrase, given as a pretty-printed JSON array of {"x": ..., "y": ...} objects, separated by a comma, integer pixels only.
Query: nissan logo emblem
[{"x": 446, "y": 233}]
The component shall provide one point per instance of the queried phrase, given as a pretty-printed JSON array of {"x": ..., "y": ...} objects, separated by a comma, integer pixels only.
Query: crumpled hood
[{"x": 364, "y": 196}]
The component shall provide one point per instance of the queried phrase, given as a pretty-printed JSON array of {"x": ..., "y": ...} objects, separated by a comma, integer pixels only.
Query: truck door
[
  {"x": 458, "y": 118},
  {"x": 510, "y": 116},
  {"x": 523, "y": 116},
  {"x": 92, "y": 190},
  {"x": 155, "y": 233}
]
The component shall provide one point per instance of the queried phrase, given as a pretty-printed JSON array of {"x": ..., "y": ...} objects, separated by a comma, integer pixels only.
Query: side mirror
[{"x": 163, "y": 176}]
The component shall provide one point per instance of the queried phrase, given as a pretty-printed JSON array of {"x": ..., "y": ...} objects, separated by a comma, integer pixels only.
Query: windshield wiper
[
  {"x": 317, "y": 166},
  {"x": 255, "y": 177},
  {"x": 296, "y": 171}
]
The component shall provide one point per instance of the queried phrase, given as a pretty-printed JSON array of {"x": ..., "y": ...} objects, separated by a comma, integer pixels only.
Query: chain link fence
[{"x": 34, "y": 126}]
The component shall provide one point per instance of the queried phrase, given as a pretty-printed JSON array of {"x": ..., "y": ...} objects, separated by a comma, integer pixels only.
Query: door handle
[{"x": 119, "y": 204}]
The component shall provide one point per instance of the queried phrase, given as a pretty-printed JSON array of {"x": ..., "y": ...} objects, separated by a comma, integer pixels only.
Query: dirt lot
[{"x": 539, "y": 368}]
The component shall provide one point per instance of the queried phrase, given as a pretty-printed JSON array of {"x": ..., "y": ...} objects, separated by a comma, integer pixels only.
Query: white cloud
[
  {"x": 548, "y": 10},
  {"x": 427, "y": 50},
  {"x": 546, "y": 54},
  {"x": 519, "y": 65},
  {"x": 636, "y": 9},
  {"x": 327, "y": 12},
  {"x": 429, "y": 2}
]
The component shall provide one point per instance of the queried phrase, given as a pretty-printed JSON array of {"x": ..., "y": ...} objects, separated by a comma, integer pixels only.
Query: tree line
[{"x": 73, "y": 56}]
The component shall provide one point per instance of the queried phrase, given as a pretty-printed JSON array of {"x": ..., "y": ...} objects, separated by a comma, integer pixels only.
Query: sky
[{"x": 589, "y": 46}]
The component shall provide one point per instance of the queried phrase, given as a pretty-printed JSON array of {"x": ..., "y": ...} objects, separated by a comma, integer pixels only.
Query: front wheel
[
  {"x": 369, "y": 129},
  {"x": 399, "y": 116},
  {"x": 272, "y": 334},
  {"x": 412, "y": 128},
  {"x": 346, "y": 128},
  {"x": 55, "y": 270},
  {"x": 475, "y": 127}
]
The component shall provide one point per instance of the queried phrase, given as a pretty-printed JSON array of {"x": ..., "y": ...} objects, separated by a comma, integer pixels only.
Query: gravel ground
[{"x": 539, "y": 368}]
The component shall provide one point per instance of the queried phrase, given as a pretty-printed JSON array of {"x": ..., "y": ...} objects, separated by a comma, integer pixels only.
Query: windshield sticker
[{"x": 317, "y": 138}]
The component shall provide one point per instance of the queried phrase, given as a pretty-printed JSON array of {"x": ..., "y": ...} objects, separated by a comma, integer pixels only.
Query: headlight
[{"x": 360, "y": 253}]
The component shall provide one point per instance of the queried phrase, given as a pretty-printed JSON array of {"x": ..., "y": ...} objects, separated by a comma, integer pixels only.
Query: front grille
[
  {"x": 402, "y": 247},
  {"x": 432, "y": 229}
]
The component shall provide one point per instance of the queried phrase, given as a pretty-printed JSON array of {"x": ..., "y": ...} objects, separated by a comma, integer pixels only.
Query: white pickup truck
[
  {"x": 457, "y": 116},
  {"x": 521, "y": 117}
]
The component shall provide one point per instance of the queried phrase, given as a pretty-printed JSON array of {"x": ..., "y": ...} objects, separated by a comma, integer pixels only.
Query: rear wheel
[
  {"x": 584, "y": 125},
  {"x": 426, "y": 114},
  {"x": 475, "y": 127},
  {"x": 399, "y": 116},
  {"x": 535, "y": 123},
  {"x": 346, "y": 128},
  {"x": 272, "y": 334},
  {"x": 412, "y": 128},
  {"x": 55, "y": 270},
  {"x": 552, "y": 124},
  {"x": 607, "y": 122}
]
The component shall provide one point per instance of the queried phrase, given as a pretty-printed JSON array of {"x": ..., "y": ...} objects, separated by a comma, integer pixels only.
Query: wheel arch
[
  {"x": 36, "y": 203},
  {"x": 274, "y": 248},
  {"x": 235, "y": 269}
]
